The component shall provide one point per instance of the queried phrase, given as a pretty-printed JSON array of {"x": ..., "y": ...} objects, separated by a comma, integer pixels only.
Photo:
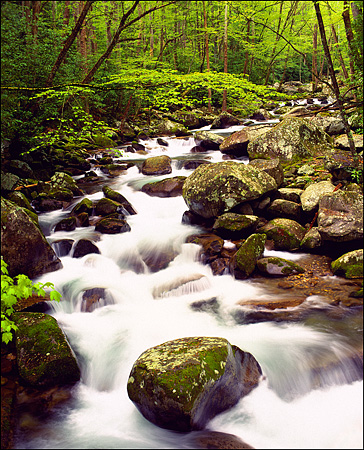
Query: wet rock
[
  {"x": 43, "y": 355},
  {"x": 290, "y": 194},
  {"x": 169, "y": 187},
  {"x": 112, "y": 226},
  {"x": 211, "y": 244},
  {"x": 243, "y": 263},
  {"x": 276, "y": 266},
  {"x": 182, "y": 384},
  {"x": 162, "y": 142},
  {"x": 23, "y": 245},
  {"x": 208, "y": 140},
  {"x": 234, "y": 226},
  {"x": 43, "y": 203},
  {"x": 20, "y": 199},
  {"x": 61, "y": 180},
  {"x": 94, "y": 298},
  {"x": 84, "y": 247},
  {"x": 181, "y": 285},
  {"x": 85, "y": 205},
  {"x": 68, "y": 224},
  {"x": 168, "y": 128},
  {"x": 340, "y": 216},
  {"x": 207, "y": 439},
  {"x": 157, "y": 165},
  {"x": 237, "y": 143},
  {"x": 213, "y": 189},
  {"x": 117, "y": 197},
  {"x": 286, "y": 234},
  {"x": 311, "y": 240},
  {"x": 82, "y": 220},
  {"x": 225, "y": 120},
  {"x": 291, "y": 139},
  {"x": 158, "y": 259},
  {"x": 105, "y": 207},
  {"x": 62, "y": 247},
  {"x": 349, "y": 265}
]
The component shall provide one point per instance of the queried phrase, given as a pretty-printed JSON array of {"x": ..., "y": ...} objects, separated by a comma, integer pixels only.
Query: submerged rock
[
  {"x": 182, "y": 384},
  {"x": 276, "y": 266}
]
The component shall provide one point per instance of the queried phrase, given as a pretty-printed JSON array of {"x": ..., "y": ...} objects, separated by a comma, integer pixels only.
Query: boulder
[
  {"x": 243, "y": 263},
  {"x": 343, "y": 143},
  {"x": 117, "y": 197},
  {"x": 61, "y": 180},
  {"x": 291, "y": 139},
  {"x": 85, "y": 205},
  {"x": 349, "y": 265},
  {"x": 237, "y": 143},
  {"x": 290, "y": 194},
  {"x": 276, "y": 266},
  {"x": 311, "y": 196},
  {"x": 182, "y": 384},
  {"x": 286, "y": 234},
  {"x": 169, "y": 187},
  {"x": 106, "y": 206},
  {"x": 208, "y": 140},
  {"x": 224, "y": 120},
  {"x": 312, "y": 239},
  {"x": 101, "y": 140},
  {"x": 23, "y": 245},
  {"x": 84, "y": 247},
  {"x": 213, "y": 189},
  {"x": 111, "y": 225},
  {"x": 234, "y": 226},
  {"x": 330, "y": 124},
  {"x": 272, "y": 167},
  {"x": 340, "y": 216},
  {"x": 157, "y": 165},
  {"x": 44, "y": 357},
  {"x": 285, "y": 209},
  {"x": 168, "y": 128},
  {"x": 67, "y": 224}
]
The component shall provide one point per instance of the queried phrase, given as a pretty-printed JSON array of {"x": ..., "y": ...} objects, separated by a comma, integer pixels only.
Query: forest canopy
[{"x": 111, "y": 59}]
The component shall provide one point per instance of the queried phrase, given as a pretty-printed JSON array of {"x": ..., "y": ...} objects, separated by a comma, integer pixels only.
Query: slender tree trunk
[
  {"x": 68, "y": 43},
  {"x": 343, "y": 68},
  {"x": 224, "y": 97},
  {"x": 314, "y": 59},
  {"x": 334, "y": 80},
  {"x": 247, "y": 52},
  {"x": 207, "y": 54},
  {"x": 36, "y": 5}
]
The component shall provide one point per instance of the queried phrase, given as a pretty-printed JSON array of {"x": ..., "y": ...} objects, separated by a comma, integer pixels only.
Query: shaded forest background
[{"x": 81, "y": 63}]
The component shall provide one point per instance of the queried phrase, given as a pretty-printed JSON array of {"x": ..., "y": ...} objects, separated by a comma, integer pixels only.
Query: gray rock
[
  {"x": 182, "y": 384},
  {"x": 311, "y": 196}
]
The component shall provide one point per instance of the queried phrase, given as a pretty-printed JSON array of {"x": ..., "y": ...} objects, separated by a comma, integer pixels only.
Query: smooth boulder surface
[
  {"x": 182, "y": 384},
  {"x": 213, "y": 189}
]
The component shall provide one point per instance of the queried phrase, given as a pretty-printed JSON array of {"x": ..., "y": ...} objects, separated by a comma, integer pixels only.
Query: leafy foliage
[{"x": 14, "y": 289}]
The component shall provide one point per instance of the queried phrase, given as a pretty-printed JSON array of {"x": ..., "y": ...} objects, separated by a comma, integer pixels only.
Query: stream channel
[{"x": 294, "y": 406}]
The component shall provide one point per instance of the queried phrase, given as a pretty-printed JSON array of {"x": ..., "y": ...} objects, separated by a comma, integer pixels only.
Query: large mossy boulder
[
  {"x": 214, "y": 189},
  {"x": 23, "y": 245},
  {"x": 286, "y": 234},
  {"x": 61, "y": 181},
  {"x": 243, "y": 263},
  {"x": 291, "y": 139},
  {"x": 272, "y": 167},
  {"x": 157, "y": 165},
  {"x": 340, "y": 216},
  {"x": 182, "y": 384},
  {"x": 234, "y": 226},
  {"x": 44, "y": 357},
  {"x": 349, "y": 265},
  {"x": 168, "y": 127}
]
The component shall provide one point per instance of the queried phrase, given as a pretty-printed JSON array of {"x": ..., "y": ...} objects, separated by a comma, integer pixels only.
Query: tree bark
[
  {"x": 207, "y": 54},
  {"x": 314, "y": 59},
  {"x": 123, "y": 24},
  {"x": 68, "y": 43},
  {"x": 224, "y": 96},
  {"x": 335, "y": 85}
]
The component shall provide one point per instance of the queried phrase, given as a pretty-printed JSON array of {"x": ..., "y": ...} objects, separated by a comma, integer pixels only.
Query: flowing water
[{"x": 295, "y": 406}]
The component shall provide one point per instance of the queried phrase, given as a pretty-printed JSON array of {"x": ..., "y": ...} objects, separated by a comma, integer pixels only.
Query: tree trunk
[
  {"x": 314, "y": 59},
  {"x": 334, "y": 80},
  {"x": 343, "y": 68},
  {"x": 68, "y": 43},
  {"x": 247, "y": 52},
  {"x": 224, "y": 97},
  {"x": 121, "y": 27},
  {"x": 207, "y": 53}
]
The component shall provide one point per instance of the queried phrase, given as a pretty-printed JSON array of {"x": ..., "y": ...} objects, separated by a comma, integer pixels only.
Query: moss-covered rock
[
  {"x": 101, "y": 140},
  {"x": 23, "y": 245},
  {"x": 106, "y": 206},
  {"x": 214, "y": 189},
  {"x": 234, "y": 226},
  {"x": 286, "y": 234},
  {"x": 117, "y": 197},
  {"x": 276, "y": 266},
  {"x": 43, "y": 355},
  {"x": 182, "y": 384},
  {"x": 291, "y": 139},
  {"x": 349, "y": 265},
  {"x": 244, "y": 261},
  {"x": 61, "y": 180},
  {"x": 85, "y": 205},
  {"x": 157, "y": 165},
  {"x": 272, "y": 167}
]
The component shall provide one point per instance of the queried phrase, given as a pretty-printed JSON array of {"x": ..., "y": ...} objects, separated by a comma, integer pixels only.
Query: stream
[{"x": 295, "y": 406}]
